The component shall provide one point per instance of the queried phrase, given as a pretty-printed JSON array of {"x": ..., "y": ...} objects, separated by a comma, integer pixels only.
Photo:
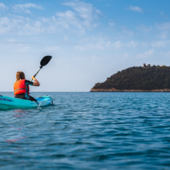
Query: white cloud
[
  {"x": 93, "y": 58},
  {"x": 164, "y": 54},
  {"x": 146, "y": 54},
  {"x": 144, "y": 28},
  {"x": 65, "y": 38},
  {"x": 97, "y": 43},
  {"x": 126, "y": 55},
  {"x": 131, "y": 44},
  {"x": 52, "y": 48},
  {"x": 11, "y": 40},
  {"x": 163, "y": 26},
  {"x": 85, "y": 10},
  {"x": 117, "y": 45},
  {"x": 136, "y": 9},
  {"x": 2, "y": 6},
  {"x": 97, "y": 46},
  {"x": 83, "y": 17},
  {"x": 167, "y": 54},
  {"x": 20, "y": 25},
  {"x": 163, "y": 35},
  {"x": 111, "y": 24},
  {"x": 160, "y": 43},
  {"x": 127, "y": 32},
  {"x": 102, "y": 44},
  {"x": 144, "y": 44},
  {"x": 5, "y": 25},
  {"x": 150, "y": 52},
  {"x": 23, "y": 49},
  {"x": 14, "y": 46},
  {"x": 25, "y": 7},
  {"x": 164, "y": 30}
]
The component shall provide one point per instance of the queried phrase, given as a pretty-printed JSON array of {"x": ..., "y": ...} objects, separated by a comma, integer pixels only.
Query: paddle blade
[{"x": 45, "y": 60}]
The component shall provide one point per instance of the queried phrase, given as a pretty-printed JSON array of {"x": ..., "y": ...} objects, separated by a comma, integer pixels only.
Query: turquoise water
[{"x": 87, "y": 131}]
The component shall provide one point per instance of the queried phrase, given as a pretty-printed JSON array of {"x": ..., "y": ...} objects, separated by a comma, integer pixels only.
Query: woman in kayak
[{"x": 21, "y": 86}]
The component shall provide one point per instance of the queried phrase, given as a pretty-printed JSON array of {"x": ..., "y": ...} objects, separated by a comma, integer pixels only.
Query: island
[{"x": 144, "y": 78}]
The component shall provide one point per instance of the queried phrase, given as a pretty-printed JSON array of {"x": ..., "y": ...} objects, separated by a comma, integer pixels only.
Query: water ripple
[{"x": 89, "y": 131}]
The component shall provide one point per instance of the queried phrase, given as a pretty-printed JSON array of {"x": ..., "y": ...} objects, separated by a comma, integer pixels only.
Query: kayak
[{"x": 16, "y": 103}]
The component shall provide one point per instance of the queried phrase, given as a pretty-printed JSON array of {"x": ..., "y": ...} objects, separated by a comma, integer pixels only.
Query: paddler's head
[{"x": 20, "y": 75}]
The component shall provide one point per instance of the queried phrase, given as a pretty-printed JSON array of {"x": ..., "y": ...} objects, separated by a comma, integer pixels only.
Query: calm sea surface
[{"x": 86, "y": 131}]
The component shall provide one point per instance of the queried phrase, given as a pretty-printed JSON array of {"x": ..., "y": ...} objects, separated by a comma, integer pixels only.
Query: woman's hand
[
  {"x": 33, "y": 78},
  {"x": 35, "y": 83}
]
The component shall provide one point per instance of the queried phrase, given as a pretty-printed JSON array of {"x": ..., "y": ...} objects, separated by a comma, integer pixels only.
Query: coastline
[{"x": 131, "y": 90}]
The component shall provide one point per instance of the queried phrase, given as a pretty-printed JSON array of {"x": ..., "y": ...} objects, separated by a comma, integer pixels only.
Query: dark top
[{"x": 27, "y": 82}]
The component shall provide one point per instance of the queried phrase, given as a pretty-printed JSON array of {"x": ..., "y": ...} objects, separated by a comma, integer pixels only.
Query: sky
[{"x": 89, "y": 40}]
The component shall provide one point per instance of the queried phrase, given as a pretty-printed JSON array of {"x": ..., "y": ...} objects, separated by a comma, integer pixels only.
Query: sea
[{"x": 88, "y": 131}]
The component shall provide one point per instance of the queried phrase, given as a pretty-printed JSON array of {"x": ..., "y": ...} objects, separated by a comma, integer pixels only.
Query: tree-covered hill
[{"x": 137, "y": 78}]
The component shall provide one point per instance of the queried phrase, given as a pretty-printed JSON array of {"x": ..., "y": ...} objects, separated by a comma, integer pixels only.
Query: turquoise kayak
[{"x": 15, "y": 103}]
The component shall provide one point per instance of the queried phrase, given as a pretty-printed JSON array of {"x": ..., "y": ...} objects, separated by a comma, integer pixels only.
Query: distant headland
[{"x": 137, "y": 79}]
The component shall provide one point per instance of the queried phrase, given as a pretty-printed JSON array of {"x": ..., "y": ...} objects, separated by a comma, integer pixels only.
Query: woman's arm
[{"x": 36, "y": 82}]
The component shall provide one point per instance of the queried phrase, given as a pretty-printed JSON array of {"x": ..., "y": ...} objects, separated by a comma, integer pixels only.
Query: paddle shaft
[
  {"x": 43, "y": 62},
  {"x": 37, "y": 73}
]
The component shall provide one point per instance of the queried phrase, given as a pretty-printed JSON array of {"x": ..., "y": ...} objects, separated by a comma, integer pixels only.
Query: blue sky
[{"x": 89, "y": 40}]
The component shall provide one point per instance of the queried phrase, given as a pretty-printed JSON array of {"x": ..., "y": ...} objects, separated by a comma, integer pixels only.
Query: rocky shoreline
[{"x": 116, "y": 90}]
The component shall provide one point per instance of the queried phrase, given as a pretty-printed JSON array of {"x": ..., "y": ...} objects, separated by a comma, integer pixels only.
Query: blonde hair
[{"x": 20, "y": 75}]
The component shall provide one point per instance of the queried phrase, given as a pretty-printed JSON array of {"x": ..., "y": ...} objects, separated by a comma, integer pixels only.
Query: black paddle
[{"x": 44, "y": 62}]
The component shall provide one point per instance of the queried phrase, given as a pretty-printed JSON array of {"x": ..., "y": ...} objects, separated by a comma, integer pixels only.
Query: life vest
[{"x": 20, "y": 87}]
